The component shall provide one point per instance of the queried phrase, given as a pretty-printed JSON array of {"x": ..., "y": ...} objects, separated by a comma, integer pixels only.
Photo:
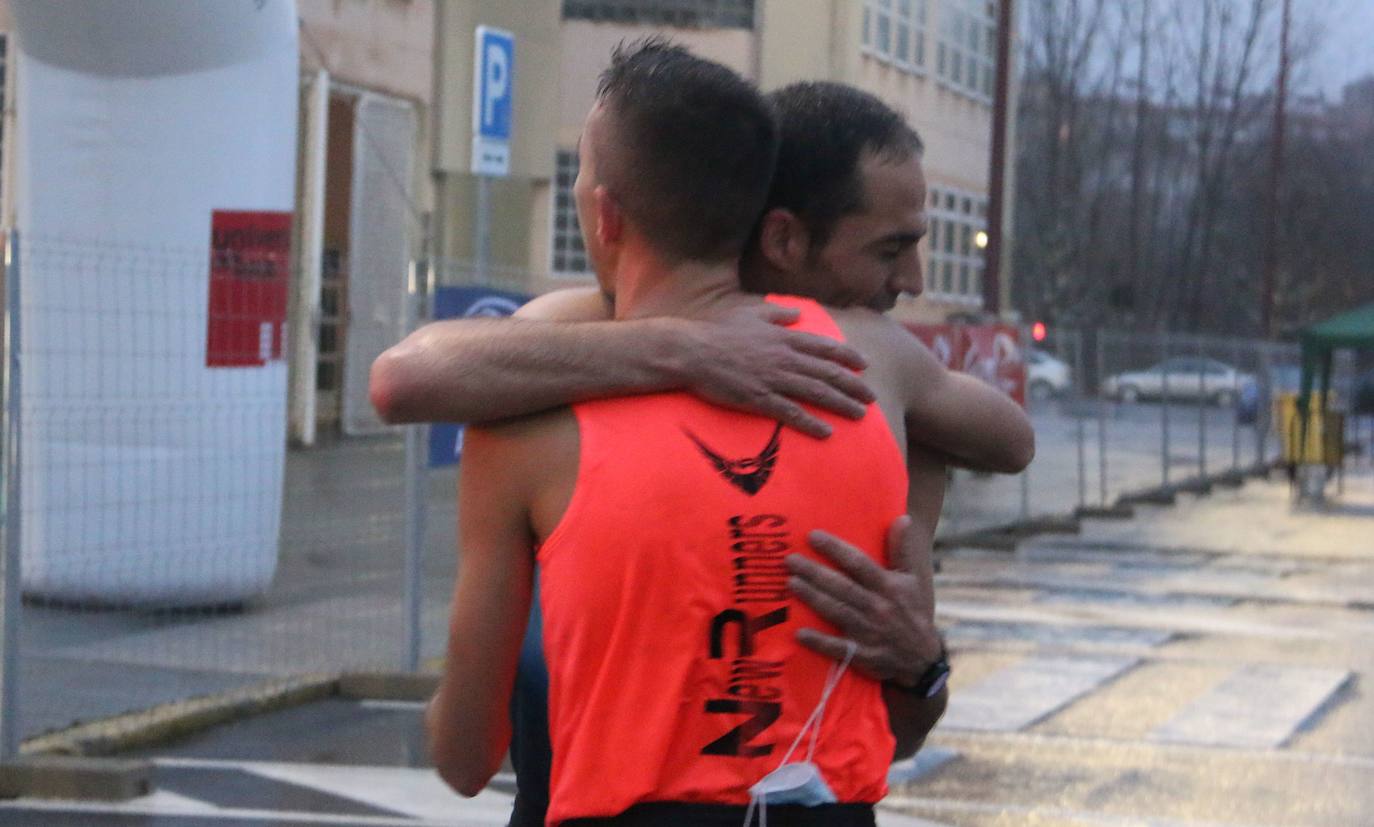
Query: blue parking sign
[
  {"x": 493, "y": 87},
  {"x": 446, "y": 438}
]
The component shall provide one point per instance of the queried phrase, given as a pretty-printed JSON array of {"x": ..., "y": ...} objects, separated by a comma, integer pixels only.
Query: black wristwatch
[{"x": 931, "y": 681}]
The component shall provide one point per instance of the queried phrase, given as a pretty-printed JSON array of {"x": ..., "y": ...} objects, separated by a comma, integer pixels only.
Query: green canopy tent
[{"x": 1352, "y": 329}]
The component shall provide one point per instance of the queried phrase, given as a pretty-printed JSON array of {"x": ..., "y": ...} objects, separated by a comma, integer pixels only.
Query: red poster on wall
[
  {"x": 994, "y": 355},
  {"x": 990, "y": 352},
  {"x": 250, "y": 255},
  {"x": 946, "y": 341}
]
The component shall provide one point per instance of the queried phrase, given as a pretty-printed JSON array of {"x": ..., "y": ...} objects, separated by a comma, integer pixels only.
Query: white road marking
[
  {"x": 1043, "y": 741},
  {"x": 1258, "y": 705},
  {"x": 162, "y": 804},
  {"x": 1029, "y": 690},
  {"x": 418, "y": 793},
  {"x": 1047, "y": 814}
]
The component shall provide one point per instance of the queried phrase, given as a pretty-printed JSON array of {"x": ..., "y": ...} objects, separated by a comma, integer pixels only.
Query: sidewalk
[{"x": 1199, "y": 664}]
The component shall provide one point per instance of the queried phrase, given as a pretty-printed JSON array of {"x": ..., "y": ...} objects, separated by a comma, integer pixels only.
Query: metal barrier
[
  {"x": 129, "y": 462},
  {"x": 166, "y": 543},
  {"x": 1139, "y": 415}
]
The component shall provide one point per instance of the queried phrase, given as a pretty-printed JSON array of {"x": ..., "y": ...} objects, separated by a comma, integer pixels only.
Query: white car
[
  {"x": 1046, "y": 376},
  {"x": 1189, "y": 378}
]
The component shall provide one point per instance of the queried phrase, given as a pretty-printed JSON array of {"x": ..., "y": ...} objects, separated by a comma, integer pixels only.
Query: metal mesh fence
[
  {"x": 172, "y": 546},
  {"x": 1117, "y": 415}
]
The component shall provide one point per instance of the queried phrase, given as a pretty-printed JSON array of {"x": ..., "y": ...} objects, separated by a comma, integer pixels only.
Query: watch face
[{"x": 938, "y": 684}]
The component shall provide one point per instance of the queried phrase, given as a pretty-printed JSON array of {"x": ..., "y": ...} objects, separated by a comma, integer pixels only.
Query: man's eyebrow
[{"x": 899, "y": 238}]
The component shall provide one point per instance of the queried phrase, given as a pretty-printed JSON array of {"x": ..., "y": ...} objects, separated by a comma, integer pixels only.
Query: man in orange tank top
[{"x": 504, "y": 464}]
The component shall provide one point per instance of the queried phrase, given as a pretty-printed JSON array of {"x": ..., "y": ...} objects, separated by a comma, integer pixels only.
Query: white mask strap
[{"x": 813, "y": 724}]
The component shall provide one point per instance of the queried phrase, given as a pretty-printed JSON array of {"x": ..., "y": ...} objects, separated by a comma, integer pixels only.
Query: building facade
[
  {"x": 385, "y": 141},
  {"x": 932, "y": 60}
]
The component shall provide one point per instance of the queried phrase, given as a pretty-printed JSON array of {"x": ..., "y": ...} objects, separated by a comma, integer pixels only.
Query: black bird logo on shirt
[{"x": 749, "y": 474}]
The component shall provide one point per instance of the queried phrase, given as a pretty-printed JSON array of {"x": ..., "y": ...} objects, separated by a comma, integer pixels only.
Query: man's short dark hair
[
  {"x": 826, "y": 129},
  {"x": 693, "y": 147}
]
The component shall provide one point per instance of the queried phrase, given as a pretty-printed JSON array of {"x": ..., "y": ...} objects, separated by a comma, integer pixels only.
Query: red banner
[
  {"x": 944, "y": 340},
  {"x": 250, "y": 255},
  {"x": 990, "y": 352}
]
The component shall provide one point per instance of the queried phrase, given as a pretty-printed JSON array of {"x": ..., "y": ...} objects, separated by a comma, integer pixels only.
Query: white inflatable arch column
[{"x": 152, "y": 474}]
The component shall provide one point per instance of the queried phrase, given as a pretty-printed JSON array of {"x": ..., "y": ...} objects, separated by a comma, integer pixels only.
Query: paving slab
[
  {"x": 1029, "y": 691},
  {"x": 1258, "y": 705}
]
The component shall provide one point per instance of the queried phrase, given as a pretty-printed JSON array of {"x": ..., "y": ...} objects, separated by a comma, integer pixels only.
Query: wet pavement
[
  {"x": 1201, "y": 664},
  {"x": 337, "y": 601}
]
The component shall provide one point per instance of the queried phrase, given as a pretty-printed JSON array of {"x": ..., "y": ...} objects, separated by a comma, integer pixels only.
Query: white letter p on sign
[{"x": 497, "y": 82}]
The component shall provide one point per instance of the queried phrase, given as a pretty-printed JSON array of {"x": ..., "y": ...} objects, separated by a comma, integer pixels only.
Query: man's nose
[{"x": 909, "y": 278}]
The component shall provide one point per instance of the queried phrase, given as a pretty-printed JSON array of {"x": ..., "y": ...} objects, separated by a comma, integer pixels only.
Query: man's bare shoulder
[
  {"x": 885, "y": 342},
  {"x": 571, "y": 304}
]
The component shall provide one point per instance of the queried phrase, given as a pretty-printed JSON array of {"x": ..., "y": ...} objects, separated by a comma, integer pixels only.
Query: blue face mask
[
  {"x": 796, "y": 783},
  {"x": 799, "y": 782}
]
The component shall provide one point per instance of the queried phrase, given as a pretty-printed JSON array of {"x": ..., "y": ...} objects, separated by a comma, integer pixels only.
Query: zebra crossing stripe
[
  {"x": 1257, "y": 706},
  {"x": 1029, "y": 690}
]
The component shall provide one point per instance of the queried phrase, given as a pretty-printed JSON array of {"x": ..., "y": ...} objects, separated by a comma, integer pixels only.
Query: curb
[
  {"x": 134, "y": 730},
  {"x": 1149, "y": 496},
  {"x": 1104, "y": 512},
  {"x": 74, "y": 763},
  {"x": 387, "y": 686},
  {"x": 1006, "y": 537},
  {"x": 75, "y": 778}
]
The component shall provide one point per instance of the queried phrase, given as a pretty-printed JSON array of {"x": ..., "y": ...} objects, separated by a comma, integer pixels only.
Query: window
[
  {"x": 955, "y": 271},
  {"x": 700, "y": 14},
  {"x": 966, "y": 51},
  {"x": 894, "y": 32},
  {"x": 568, "y": 252}
]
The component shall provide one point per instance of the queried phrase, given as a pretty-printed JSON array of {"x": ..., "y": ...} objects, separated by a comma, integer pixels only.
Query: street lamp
[{"x": 980, "y": 239}]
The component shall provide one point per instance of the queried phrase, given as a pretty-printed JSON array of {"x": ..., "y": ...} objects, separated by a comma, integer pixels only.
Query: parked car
[
  {"x": 1189, "y": 378},
  {"x": 1046, "y": 376}
]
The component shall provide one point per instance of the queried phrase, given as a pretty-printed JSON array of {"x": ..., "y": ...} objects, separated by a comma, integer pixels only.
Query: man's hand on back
[
  {"x": 749, "y": 361},
  {"x": 890, "y": 614}
]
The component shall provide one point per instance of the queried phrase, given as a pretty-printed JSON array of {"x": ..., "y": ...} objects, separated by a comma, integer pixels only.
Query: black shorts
[{"x": 677, "y": 814}]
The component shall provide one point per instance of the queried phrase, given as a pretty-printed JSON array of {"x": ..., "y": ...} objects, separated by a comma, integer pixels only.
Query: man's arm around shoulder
[
  {"x": 561, "y": 348},
  {"x": 956, "y": 416}
]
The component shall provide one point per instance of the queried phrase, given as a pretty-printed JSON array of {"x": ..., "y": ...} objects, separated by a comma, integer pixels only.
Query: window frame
[
  {"x": 575, "y": 248},
  {"x": 955, "y": 265},
  {"x": 913, "y": 22}
]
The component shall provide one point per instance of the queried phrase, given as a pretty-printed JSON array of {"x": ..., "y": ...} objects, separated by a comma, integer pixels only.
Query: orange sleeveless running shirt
[{"x": 674, "y": 672}]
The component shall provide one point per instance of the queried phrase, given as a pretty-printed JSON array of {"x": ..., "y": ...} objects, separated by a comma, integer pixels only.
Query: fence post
[
  {"x": 1164, "y": 409},
  {"x": 1101, "y": 417},
  {"x": 416, "y": 487},
  {"x": 1201, "y": 412},
  {"x": 1263, "y": 420},
  {"x": 1238, "y": 357},
  {"x": 1076, "y": 389},
  {"x": 10, "y": 602},
  {"x": 1025, "y": 473}
]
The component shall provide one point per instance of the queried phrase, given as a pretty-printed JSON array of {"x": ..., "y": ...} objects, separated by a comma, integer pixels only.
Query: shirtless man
[{"x": 845, "y": 213}]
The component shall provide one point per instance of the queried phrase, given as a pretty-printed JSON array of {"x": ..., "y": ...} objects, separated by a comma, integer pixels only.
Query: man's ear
[
  {"x": 610, "y": 219},
  {"x": 784, "y": 240}
]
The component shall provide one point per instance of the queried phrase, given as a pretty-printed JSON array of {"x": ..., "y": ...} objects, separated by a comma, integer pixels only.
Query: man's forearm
[
  {"x": 481, "y": 370},
  {"x": 911, "y": 718}
]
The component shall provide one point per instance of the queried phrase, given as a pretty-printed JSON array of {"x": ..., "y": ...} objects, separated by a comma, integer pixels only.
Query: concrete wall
[
  {"x": 383, "y": 45},
  {"x": 514, "y": 221},
  {"x": 379, "y": 46},
  {"x": 585, "y": 50}
]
